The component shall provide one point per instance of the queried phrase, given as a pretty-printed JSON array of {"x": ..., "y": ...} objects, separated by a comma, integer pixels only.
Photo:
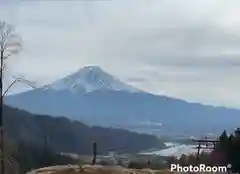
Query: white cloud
[{"x": 186, "y": 49}]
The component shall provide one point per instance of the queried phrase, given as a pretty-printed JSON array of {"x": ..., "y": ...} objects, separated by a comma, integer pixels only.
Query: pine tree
[
  {"x": 224, "y": 140},
  {"x": 230, "y": 147},
  {"x": 235, "y": 151}
]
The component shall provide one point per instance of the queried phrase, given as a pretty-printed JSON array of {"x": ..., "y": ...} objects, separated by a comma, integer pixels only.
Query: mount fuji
[
  {"x": 89, "y": 79},
  {"x": 97, "y": 98}
]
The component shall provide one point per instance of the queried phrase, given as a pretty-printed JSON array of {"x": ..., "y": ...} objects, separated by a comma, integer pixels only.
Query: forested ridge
[
  {"x": 64, "y": 135},
  {"x": 33, "y": 141}
]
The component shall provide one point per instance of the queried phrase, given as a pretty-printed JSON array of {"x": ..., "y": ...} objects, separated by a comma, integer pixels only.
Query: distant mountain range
[{"x": 97, "y": 98}]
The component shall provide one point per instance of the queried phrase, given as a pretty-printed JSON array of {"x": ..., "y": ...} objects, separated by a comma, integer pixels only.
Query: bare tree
[{"x": 10, "y": 44}]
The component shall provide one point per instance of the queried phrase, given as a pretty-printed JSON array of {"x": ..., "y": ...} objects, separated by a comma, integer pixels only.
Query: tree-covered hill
[{"x": 64, "y": 135}]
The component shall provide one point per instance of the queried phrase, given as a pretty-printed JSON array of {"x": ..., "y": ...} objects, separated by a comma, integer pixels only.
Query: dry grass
[{"x": 104, "y": 170}]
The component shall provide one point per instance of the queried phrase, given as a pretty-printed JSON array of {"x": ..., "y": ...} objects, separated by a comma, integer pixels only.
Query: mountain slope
[
  {"x": 89, "y": 79},
  {"x": 64, "y": 135},
  {"x": 123, "y": 107}
]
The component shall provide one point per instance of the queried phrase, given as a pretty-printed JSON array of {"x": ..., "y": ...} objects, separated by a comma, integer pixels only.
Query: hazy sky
[{"x": 181, "y": 48}]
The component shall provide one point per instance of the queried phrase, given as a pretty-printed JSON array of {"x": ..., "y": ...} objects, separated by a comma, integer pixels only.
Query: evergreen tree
[
  {"x": 230, "y": 147},
  {"x": 224, "y": 140},
  {"x": 235, "y": 151}
]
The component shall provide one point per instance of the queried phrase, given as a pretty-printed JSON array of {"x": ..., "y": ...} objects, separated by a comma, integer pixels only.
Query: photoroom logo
[{"x": 199, "y": 168}]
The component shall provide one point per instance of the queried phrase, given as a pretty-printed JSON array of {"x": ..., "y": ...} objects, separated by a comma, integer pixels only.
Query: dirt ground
[{"x": 102, "y": 170}]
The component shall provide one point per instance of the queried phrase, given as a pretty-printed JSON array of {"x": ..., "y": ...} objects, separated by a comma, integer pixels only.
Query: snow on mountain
[{"x": 89, "y": 79}]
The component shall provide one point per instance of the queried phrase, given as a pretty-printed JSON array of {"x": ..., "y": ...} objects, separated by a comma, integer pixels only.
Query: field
[{"x": 98, "y": 170}]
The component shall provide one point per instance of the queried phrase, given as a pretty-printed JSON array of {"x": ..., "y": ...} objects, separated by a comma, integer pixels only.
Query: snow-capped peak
[{"x": 89, "y": 79}]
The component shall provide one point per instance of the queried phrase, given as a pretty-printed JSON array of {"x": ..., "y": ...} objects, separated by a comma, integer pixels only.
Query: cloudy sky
[{"x": 180, "y": 48}]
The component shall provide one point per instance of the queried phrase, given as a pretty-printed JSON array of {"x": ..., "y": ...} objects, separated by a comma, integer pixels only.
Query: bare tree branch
[
  {"x": 3, "y": 68},
  {"x": 6, "y": 57},
  {"x": 10, "y": 43},
  {"x": 21, "y": 80},
  {"x": 6, "y": 91},
  {"x": 27, "y": 82}
]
